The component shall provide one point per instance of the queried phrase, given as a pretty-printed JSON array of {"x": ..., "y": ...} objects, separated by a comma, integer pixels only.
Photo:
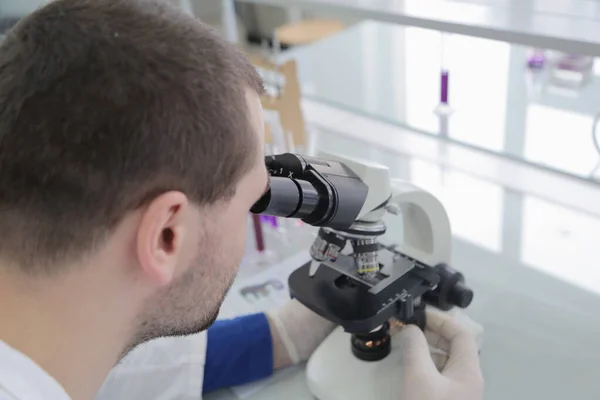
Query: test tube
[
  {"x": 536, "y": 59},
  {"x": 444, "y": 73},
  {"x": 258, "y": 233},
  {"x": 443, "y": 107},
  {"x": 275, "y": 54}
]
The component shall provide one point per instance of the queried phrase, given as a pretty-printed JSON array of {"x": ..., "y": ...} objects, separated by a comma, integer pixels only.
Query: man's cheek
[{"x": 238, "y": 227}]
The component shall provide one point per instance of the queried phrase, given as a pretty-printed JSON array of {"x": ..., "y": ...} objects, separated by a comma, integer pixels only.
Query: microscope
[{"x": 354, "y": 280}]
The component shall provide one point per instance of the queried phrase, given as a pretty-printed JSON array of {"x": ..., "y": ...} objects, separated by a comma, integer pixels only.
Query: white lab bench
[
  {"x": 533, "y": 266},
  {"x": 568, "y": 25}
]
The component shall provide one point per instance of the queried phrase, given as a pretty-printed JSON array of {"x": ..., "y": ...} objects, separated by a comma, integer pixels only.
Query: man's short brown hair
[{"x": 105, "y": 104}]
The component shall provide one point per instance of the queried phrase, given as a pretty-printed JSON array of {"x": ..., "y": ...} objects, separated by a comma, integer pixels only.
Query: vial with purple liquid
[{"x": 443, "y": 107}]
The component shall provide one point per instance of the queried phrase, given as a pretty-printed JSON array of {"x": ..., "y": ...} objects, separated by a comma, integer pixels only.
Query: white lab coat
[{"x": 162, "y": 369}]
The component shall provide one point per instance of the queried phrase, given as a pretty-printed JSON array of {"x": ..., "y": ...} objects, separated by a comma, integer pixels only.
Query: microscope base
[{"x": 334, "y": 373}]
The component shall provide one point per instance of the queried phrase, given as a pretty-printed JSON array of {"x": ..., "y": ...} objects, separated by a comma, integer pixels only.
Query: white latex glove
[
  {"x": 298, "y": 331},
  {"x": 459, "y": 379}
]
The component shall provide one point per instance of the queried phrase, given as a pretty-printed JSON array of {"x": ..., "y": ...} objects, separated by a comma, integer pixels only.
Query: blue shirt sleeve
[{"x": 239, "y": 351}]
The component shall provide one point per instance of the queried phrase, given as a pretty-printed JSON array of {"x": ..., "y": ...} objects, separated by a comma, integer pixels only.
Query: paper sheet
[{"x": 261, "y": 292}]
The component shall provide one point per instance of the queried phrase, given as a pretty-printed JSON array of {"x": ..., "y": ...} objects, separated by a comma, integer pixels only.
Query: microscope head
[
  {"x": 329, "y": 191},
  {"x": 375, "y": 176}
]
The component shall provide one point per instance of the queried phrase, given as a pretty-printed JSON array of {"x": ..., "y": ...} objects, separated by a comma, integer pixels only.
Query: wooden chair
[{"x": 286, "y": 102}]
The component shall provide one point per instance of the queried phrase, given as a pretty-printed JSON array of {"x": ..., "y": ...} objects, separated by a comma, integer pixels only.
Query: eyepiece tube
[
  {"x": 309, "y": 201},
  {"x": 280, "y": 200},
  {"x": 287, "y": 198}
]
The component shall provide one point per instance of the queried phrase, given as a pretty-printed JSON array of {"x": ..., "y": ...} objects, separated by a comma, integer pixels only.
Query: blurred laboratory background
[{"x": 493, "y": 106}]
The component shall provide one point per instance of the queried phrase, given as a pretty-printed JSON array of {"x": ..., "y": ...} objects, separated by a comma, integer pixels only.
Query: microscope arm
[{"x": 426, "y": 233}]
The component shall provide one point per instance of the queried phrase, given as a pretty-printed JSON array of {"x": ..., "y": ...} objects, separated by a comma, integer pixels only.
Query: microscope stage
[{"x": 351, "y": 304}]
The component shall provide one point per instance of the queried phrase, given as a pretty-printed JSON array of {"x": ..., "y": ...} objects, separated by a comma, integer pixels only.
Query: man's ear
[{"x": 160, "y": 236}]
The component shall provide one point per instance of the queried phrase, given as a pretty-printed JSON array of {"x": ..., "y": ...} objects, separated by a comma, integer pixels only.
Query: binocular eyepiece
[
  {"x": 319, "y": 192},
  {"x": 289, "y": 198}
]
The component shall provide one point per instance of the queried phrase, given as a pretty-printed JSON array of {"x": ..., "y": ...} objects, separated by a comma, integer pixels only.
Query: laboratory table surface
[{"x": 533, "y": 265}]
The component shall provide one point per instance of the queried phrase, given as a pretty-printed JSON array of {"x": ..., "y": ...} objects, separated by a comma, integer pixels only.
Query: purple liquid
[
  {"x": 537, "y": 60},
  {"x": 444, "y": 87},
  {"x": 268, "y": 219}
]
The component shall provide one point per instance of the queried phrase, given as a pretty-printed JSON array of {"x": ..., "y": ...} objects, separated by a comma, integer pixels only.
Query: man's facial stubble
[{"x": 191, "y": 304}]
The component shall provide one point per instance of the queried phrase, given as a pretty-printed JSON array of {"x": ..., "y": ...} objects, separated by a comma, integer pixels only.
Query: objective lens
[{"x": 287, "y": 198}]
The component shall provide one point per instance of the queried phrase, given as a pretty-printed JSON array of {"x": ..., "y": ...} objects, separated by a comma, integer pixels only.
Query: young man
[{"x": 131, "y": 142}]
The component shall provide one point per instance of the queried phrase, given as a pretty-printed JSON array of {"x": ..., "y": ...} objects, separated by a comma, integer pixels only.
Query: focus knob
[
  {"x": 451, "y": 290},
  {"x": 460, "y": 295}
]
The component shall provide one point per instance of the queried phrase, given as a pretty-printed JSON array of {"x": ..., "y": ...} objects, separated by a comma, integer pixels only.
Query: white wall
[
  {"x": 267, "y": 18},
  {"x": 18, "y": 8},
  {"x": 205, "y": 9}
]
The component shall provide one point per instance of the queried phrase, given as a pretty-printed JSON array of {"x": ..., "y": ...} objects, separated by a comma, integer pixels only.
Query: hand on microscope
[
  {"x": 296, "y": 333},
  {"x": 453, "y": 374}
]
